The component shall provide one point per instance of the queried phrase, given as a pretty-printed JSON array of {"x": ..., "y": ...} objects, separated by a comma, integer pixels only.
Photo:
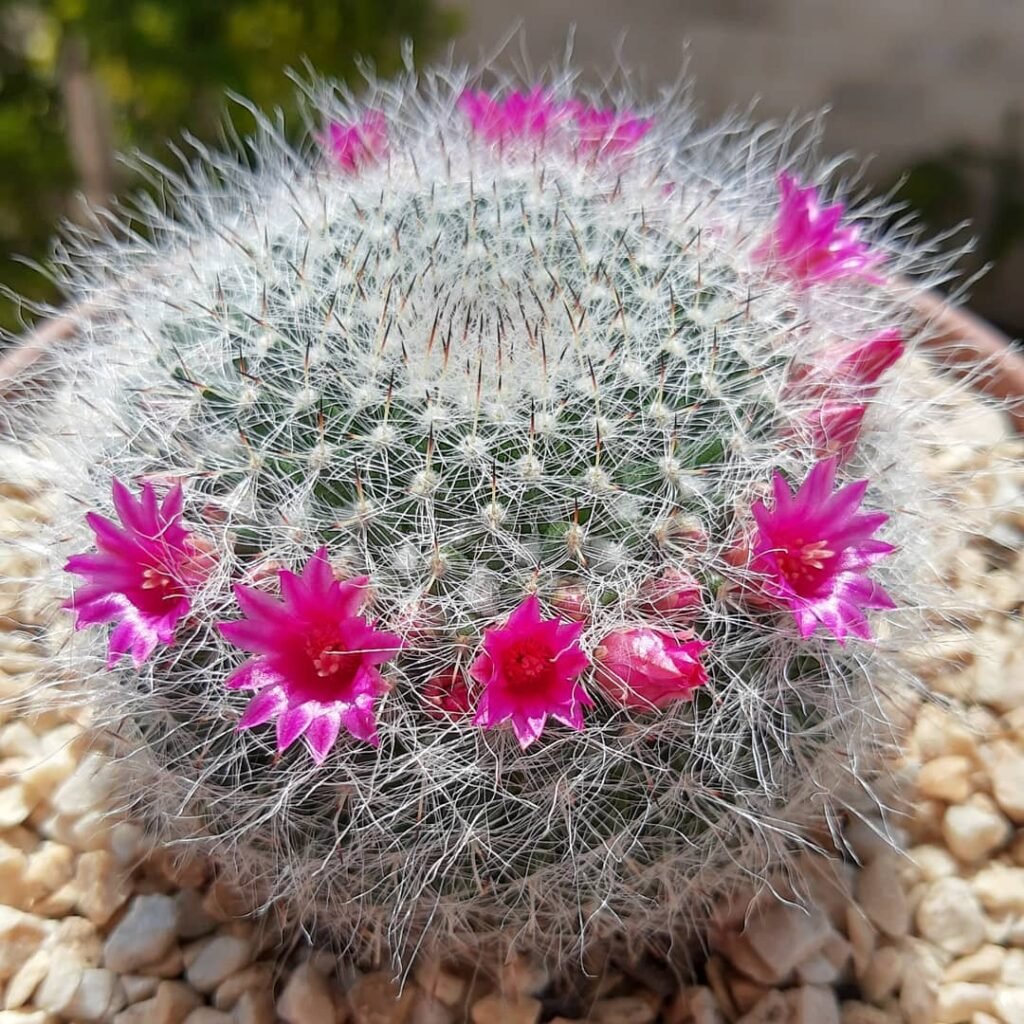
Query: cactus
[{"x": 456, "y": 469}]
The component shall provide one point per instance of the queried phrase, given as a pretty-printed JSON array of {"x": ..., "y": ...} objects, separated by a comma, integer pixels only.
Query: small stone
[
  {"x": 784, "y": 936},
  {"x": 443, "y": 984},
  {"x": 87, "y": 789},
  {"x": 959, "y": 999},
  {"x": 883, "y": 975},
  {"x": 98, "y": 997},
  {"x": 16, "y": 804},
  {"x": 1004, "y": 762},
  {"x": 14, "y": 890},
  {"x": 1009, "y": 1005},
  {"x": 863, "y": 937},
  {"x": 983, "y": 965},
  {"x": 138, "y": 986},
  {"x": 773, "y": 1009},
  {"x": 193, "y": 920},
  {"x": 144, "y": 935},
  {"x": 973, "y": 831},
  {"x": 257, "y": 976},
  {"x": 817, "y": 970},
  {"x": 853, "y": 1012},
  {"x": 24, "y": 983},
  {"x": 950, "y": 916},
  {"x": 428, "y": 1010},
  {"x": 49, "y": 867},
  {"x": 937, "y": 733},
  {"x": 210, "y": 961},
  {"x": 127, "y": 844},
  {"x": 919, "y": 992},
  {"x": 933, "y": 862},
  {"x": 812, "y": 1004},
  {"x": 496, "y": 1009},
  {"x": 173, "y": 1002},
  {"x": 27, "y": 1017},
  {"x": 704, "y": 1008},
  {"x": 881, "y": 896},
  {"x": 57, "y": 990},
  {"x": 102, "y": 886},
  {"x": 744, "y": 993},
  {"x": 170, "y": 965},
  {"x": 1012, "y": 970},
  {"x": 256, "y": 1007},
  {"x": 306, "y": 998},
  {"x": 624, "y": 1010},
  {"x": 207, "y": 1015},
  {"x": 946, "y": 778},
  {"x": 737, "y": 951},
  {"x": 76, "y": 937},
  {"x": 1000, "y": 888},
  {"x": 21, "y": 935}
]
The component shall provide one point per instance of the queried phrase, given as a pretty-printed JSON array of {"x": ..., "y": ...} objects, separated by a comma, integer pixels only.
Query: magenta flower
[
  {"x": 809, "y": 242},
  {"x": 448, "y": 696},
  {"x": 674, "y": 594},
  {"x": 517, "y": 116},
  {"x": 608, "y": 131},
  {"x": 143, "y": 574},
  {"x": 645, "y": 668},
  {"x": 813, "y": 550},
  {"x": 353, "y": 146},
  {"x": 834, "y": 429},
  {"x": 317, "y": 658},
  {"x": 529, "y": 669}
]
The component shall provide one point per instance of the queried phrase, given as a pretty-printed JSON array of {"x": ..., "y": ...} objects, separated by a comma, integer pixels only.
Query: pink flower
[
  {"x": 647, "y": 668},
  {"x": 143, "y": 574},
  {"x": 834, "y": 429},
  {"x": 674, "y": 594},
  {"x": 808, "y": 242},
  {"x": 813, "y": 550},
  {"x": 517, "y": 116},
  {"x": 609, "y": 131},
  {"x": 448, "y": 696},
  {"x": 317, "y": 658},
  {"x": 354, "y": 146},
  {"x": 529, "y": 669}
]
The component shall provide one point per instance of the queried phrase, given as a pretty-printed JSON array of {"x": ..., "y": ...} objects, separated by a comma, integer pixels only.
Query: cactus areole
[{"x": 500, "y": 494}]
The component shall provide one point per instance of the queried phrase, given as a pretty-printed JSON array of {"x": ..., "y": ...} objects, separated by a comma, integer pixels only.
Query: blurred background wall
[{"x": 932, "y": 90}]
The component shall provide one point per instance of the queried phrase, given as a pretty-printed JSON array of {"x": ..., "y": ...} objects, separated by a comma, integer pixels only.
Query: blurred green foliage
[{"x": 158, "y": 67}]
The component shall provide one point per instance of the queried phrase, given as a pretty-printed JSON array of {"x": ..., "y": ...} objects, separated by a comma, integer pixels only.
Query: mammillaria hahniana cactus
[{"x": 490, "y": 498}]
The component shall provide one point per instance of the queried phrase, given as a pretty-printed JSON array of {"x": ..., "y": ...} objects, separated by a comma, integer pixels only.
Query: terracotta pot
[{"x": 962, "y": 341}]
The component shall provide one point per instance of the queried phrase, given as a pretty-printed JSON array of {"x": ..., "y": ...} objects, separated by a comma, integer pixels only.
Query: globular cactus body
[{"x": 470, "y": 412}]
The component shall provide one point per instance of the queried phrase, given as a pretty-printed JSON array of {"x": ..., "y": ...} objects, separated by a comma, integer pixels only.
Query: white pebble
[
  {"x": 306, "y": 998},
  {"x": 143, "y": 936},
  {"x": 212, "y": 960},
  {"x": 881, "y": 896},
  {"x": 973, "y": 831}
]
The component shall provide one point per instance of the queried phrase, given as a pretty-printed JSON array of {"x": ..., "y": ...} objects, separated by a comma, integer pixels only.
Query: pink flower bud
[
  {"x": 571, "y": 602},
  {"x": 675, "y": 593},
  {"x": 448, "y": 696},
  {"x": 866, "y": 361},
  {"x": 645, "y": 668},
  {"x": 835, "y": 429}
]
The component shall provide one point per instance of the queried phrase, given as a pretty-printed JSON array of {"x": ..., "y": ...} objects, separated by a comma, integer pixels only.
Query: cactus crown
[{"x": 520, "y": 368}]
